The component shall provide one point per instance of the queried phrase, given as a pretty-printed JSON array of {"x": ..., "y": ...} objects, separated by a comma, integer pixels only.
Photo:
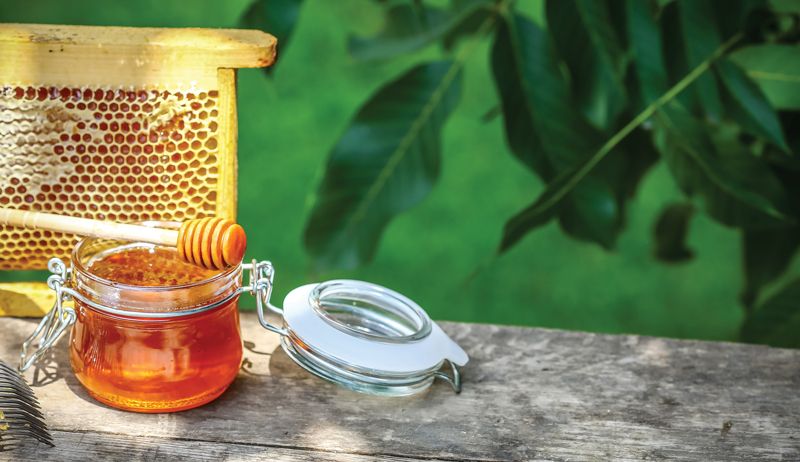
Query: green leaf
[
  {"x": 677, "y": 64},
  {"x": 516, "y": 95},
  {"x": 410, "y": 28},
  {"x": 736, "y": 188},
  {"x": 385, "y": 163},
  {"x": 777, "y": 322},
  {"x": 597, "y": 19},
  {"x": 559, "y": 190},
  {"x": 589, "y": 46},
  {"x": 618, "y": 174},
  {"x": 618, "y": 12},
  {"x": 747, "y": 105},
  {"x": 466, "y": 27},
  {"x": 541, "y": 126},
  {"x": 524, "y": 222},
  {"x": 776, "y": 69},
  {"x": 788, "y": 171},
  {"x": 646, "y": 47},
  {"x": 491, "y": 114},
  {"x": 732, "y": 15},
  {"x": 767, "y": 254},
  {"x": 790, "y": 123},
  {"x": 592, "y": 214},
  {"x": 276, "y": 17},
  {"x": 701, "y": 38},
  {"x": 624, "y": 167},
  {"x": 637, "y": 155},
  {"x": 672, "y": 231}
]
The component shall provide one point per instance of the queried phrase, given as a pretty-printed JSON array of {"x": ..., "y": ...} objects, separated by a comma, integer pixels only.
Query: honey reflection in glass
[{"x": 147, "y": 364}]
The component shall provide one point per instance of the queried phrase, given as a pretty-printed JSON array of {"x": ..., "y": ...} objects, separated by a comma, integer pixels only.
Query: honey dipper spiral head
[{"x": 213, "y": 243}]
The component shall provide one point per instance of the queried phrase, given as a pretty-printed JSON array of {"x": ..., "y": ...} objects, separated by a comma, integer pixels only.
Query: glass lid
[{"x": 366, "y": 338}]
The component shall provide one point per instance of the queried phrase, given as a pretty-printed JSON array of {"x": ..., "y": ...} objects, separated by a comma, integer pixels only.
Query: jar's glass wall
[
  {"x": 147, "y": 364},
  {"x": 156, "y": 365}
]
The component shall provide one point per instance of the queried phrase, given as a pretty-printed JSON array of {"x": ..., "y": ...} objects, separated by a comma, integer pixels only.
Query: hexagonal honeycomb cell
[{"x": 106, "y": 154}]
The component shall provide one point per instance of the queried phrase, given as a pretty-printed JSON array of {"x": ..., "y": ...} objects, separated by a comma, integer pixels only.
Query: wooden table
[{"x": 528, "y": 394}]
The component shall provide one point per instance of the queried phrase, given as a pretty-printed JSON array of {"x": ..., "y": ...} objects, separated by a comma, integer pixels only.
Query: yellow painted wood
[
  {"x": 227, "y": 137},
  {"x": 25, "y": 299},
  {"x": 36, "y": 54}
]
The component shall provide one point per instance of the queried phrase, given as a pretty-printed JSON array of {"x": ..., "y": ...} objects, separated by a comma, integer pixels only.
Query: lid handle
[{"x": 262, "y": 274}]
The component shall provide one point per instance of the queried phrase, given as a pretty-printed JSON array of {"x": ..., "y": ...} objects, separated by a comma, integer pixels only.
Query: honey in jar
[{"x": 153, "y": 334}]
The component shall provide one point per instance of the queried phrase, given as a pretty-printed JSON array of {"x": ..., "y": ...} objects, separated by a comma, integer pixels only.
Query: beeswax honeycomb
[{"x": 103, "y": 153}]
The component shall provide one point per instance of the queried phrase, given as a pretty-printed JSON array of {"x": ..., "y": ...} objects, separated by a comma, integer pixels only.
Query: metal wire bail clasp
[
  {"x": 262, "y": 275},
  {"x": 56, "y": 320}
]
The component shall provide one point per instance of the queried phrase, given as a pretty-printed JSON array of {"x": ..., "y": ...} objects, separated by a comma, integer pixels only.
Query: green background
[{"x": 287, "y": 125}]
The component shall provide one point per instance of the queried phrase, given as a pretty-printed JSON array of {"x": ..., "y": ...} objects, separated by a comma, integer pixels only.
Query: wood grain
[
  {"x": 41, "y": 54},
  {"x": 528, "y": 394},
  {"x": 227, "y": 136},
  {"x": 28, "y": 219},
  {"x": 81, "y": 447}
]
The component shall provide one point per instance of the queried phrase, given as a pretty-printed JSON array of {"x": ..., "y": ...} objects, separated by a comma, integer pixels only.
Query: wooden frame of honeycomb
[{"x": 118, "y": 123}]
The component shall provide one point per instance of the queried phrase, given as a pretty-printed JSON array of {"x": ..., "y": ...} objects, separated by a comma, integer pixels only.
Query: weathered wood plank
[
  {"x": 529, "y": 394},
  {"x": 82, "y": 447}
]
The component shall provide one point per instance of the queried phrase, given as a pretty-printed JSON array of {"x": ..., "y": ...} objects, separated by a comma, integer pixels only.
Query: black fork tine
[
  {"x": 20, "y": 416},
  {"x": 35, "y": 434},
  {"x": 12, "y": 378},
  {"x": 22, "y": 427},
  {"x": 26, "y": 421},
  {"x": 8, "y": 394},
  {"x": 22, "y": 406},
  {"x": 17, "y": 402},
  {"x": 18, "y": 390},
  {"x": 7, "y": 367},
  {"x": 16, "y": 387}
]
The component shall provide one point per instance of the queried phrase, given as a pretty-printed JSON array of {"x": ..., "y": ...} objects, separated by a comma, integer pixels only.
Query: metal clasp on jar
[
  {"x": 60, "y": 317},
  {"x": 262, "y": 276},
  {"x": 56, "y": 320}
]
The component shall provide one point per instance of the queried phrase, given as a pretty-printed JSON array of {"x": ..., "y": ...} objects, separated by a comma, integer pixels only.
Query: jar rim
[
  {"x": 391, "y": 317},
  {"x": 76, "y": 263}
]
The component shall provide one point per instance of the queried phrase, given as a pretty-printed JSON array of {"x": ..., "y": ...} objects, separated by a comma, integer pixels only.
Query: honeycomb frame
[
  {"x": 103, "y": 154},
  {"x": 122, "y": 124}
]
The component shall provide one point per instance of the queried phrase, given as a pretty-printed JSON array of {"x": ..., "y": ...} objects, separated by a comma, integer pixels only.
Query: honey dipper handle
[{"x": 87, "y": 227}]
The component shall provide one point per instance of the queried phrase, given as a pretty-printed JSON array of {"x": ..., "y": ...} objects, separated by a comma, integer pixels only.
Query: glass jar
[
  {"x": 145, "y": 348},
  {"x": 130, "y": 359}
]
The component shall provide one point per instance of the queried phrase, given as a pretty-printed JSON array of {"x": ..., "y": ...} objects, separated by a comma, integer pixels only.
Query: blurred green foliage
[{"x": 289, "y": 123}]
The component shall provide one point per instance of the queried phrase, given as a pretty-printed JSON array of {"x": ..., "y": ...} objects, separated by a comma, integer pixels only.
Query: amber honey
[
  {"x": 150, "y": 267},
  {"x": 140, "y": 363}
]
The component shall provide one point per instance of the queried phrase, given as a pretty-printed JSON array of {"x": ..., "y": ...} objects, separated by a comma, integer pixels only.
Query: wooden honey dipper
[{"x": 213, "y": 243}]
